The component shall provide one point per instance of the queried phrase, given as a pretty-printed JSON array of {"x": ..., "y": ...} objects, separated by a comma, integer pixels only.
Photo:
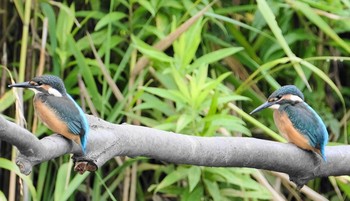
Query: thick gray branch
[{"x": 107, "y": 140}]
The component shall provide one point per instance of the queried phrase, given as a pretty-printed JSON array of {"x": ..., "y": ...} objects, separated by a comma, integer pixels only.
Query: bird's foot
[
  {"x": 83, "y": 164},
  {"x": 317, "y": 159},
  {"x": 299, "y": 182}
]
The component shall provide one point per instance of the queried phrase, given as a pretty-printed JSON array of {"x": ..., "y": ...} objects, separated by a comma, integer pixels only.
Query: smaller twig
[
  {"x": 117, "y": 93},
  {"x": 85, "y": 94},
  {"x": 40, "y": 69}
]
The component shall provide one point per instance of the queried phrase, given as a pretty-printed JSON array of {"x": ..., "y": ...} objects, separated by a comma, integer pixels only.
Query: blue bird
[
  {"x": 296, "y": 120},
  {"x": 57, "y": 109}
]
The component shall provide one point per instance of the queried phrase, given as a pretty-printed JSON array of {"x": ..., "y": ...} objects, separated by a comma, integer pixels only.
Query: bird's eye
[
  {"x": 272, "y": 99},
  {"x": 35, "y": 83},
  {"x": 275, "y": 98}
]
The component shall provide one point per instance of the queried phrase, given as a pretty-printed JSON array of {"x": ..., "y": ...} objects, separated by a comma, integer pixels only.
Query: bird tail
[
  {"x": 323, "y": 154},
  {"x": 83, "y": 139}
]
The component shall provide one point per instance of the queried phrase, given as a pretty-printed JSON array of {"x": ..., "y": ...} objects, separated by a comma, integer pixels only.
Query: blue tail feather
[{"x": 85, "y": 126}]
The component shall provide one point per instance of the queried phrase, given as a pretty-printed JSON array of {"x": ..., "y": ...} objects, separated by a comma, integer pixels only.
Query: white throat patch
[
  {"x": 275, "y": 106},
  {"x": 295, "y": 98},
  {"x": 54, "y": 92}
]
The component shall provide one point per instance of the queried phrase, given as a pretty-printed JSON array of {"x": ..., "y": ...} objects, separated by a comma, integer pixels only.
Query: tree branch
[{"x": 107, "y": 140}]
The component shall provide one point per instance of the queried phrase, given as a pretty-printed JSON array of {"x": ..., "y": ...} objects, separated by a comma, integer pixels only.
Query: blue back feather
[{"x": 308, "y": 123}]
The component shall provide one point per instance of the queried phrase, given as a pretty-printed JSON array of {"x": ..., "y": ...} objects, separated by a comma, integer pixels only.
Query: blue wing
[
  {"x": 72, "y": 114},
  {"x": 308, "y": 123},
  {"x": 84, "y": 125}
]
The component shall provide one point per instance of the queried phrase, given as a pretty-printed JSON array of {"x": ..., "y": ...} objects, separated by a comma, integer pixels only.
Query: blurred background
[{"x": 175, "y": 65}]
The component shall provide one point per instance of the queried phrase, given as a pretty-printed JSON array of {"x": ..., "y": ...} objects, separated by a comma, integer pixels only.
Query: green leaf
[
  {"x": 50, "y": 14},
  {"x": 86, "y": 73},
  {"x": 74, "y": 185},
  {"x": 238, "y": 23},
  {"x": 153, "y": 102},
  {"x": 255, "y": 122},
  {"x": 146, "y": 4},
  {"x": 150, "y": 122},
  {"x": 267, "y": 66},
  {"x": 215, "y": 56},
  {"x": 232, "y": 123},
  {"x": 200, "y": 90},
  {"x": 6, "y": 100},
  {"x": 213, "y": 189},
  {"x": 183, "y": 121},
  {"x": 271, "y": 21},
  {"x": 20, "y": 8},
  {"x": 317, "y": 20},
  {"x": 344, "y": 186},
  {"x": 173, "y": 95},
  {"x": 150, "y": 51},
  {"x": 181, "y": 84},
  {"x": 43, "y": 171},
  {"x": 10, "y": 166},
  {"x": 62, "y": 181},
  {"x": 230, "y": 98},
  {"x": 109, "y": 18},
  {"x": 2, "y": 196},
  {"x": 65, "y": 22},
  {"x": 255, "y": 195},
  {"x": 194, "y": 176},
  {"x": 196, "y": 194},
  {"x": 186, "y": 46},
  {"x": 171, "y": 178},
  {"x": 324, "y": 77}
]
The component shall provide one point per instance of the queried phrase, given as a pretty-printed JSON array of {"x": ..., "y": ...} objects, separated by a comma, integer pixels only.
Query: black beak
[
  {"x": 21, "y": 85},
  {"x": 261, "y": 107}
]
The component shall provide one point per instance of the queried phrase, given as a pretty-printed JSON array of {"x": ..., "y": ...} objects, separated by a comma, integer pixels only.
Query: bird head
[
  {"x": 288, "y": 94},
  {"x": 47, "y": 84}
]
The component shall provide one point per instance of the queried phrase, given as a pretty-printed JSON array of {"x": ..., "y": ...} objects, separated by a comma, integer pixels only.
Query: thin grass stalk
[
  {"x": 4, "y": 62},
  {"x": 85, "y": 93},
  {"x": 126, "y": 184},
  {"x": 333, "y": 181},
  {"x": 259, "y": 176},
  {"x": 133, "y": 172},
  {"x": 117, "y": 93},
  {"x": 271, "y": 21},
  {"x": 135, "y": 165},
  {"x": 41, "y": 65},
  {"x": 23, "y": 56},
  {"x": 310, "y": 193},
  {"x": 4, "y": 59}
]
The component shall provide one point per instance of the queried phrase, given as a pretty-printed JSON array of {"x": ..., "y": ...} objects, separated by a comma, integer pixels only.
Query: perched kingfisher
[
  {"x": 296, "y": 120},
  {"x": 57, "y": 109}
]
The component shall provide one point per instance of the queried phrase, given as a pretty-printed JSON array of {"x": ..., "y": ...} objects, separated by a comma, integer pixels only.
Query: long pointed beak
[
  {"x": 261, "y": 107},
  {"x": 21, "y": 85}
]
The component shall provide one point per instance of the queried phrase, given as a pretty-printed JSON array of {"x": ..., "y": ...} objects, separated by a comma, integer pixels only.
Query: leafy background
[{"x": 175, "y": 66}]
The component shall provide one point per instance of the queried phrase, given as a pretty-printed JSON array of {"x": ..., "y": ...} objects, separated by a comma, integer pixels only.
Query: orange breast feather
[
  {"x": 51, "y": 120},
  {"x": 286, "y": 128}
]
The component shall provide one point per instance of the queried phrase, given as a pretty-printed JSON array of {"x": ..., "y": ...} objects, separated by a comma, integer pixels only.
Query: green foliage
[
  {"x": 10, "y": 166},
  {"x": 220, "y": 66}
]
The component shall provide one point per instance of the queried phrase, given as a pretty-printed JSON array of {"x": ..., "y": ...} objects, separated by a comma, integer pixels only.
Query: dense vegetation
[{"x": 118, "y": 61}]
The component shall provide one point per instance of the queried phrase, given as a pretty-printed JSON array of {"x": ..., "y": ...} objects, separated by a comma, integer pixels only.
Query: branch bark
[{"x": 107, "y": 140}]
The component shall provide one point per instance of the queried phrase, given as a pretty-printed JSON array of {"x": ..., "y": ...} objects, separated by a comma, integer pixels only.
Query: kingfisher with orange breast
[
  {"x": 296, "y": 120},
  {"x": 57, "y": 109}
]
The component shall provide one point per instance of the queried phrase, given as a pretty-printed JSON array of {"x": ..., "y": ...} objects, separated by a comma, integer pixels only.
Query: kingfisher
[
  {"x": 296, "y": 120},
  {"x": 57, "y": 109}
]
